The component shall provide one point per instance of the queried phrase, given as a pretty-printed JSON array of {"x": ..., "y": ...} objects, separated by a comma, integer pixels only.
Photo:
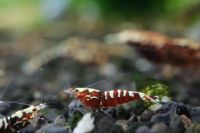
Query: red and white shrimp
[
  {"x": 20, "y": 119},
  {"x": 102, "y": 99}
]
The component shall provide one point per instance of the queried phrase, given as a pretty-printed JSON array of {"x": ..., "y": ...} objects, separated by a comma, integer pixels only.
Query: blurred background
[{"x": 86, "y": 16}]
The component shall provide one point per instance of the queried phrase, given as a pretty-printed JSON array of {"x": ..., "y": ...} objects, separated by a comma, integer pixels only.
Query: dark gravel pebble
[
  {"x": 103, "y": 124},
  {"x": 75, "y": 106},
  {"x": 160, "y": 128},
  {"x": 143, "y": 129},
  {"x": 58, "y": 126},
  {"x": 164, "y": 114},
  {"x": 195, "y": 114}
]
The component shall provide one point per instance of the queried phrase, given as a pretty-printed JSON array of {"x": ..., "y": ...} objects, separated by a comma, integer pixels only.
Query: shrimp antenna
[
  {"x": 44, "y": 102},
  {"x": 54, "y": 96},
  {"x": 16, "y": 103},
  {"x": 68, "y": 85},
  {"x": 96, "y": 83},
  {"x": 107, "y": 79},
  {"x": 4, "y": 90}
]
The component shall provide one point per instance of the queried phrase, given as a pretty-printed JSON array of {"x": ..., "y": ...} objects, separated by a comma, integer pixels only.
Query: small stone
[
  {"x": 146, "y": 115},
  {"x": 76, "y": 106},
  {"x": 51, "y": 128},
  {"x": 164, "y": 114},
  {"x": 112, "y": 112},
  {"x": 195, "y": 114},
  {"x": 4, "y": 107},
  {"x": 60, "y": 120},
  {"x": 85, "y": 125},
  {"x": 160, "y": 128},
  {"x": 58, "y": 126},
  {"x": 161, "y": 118},
  {"x": 182, "y": 110},
  {"x": 186, "y": 121},
  {"x": 123, "y": 124},
  {"x": 175, "y": 122},
  {"x": 194, "y": 128},
  {"x": 106, "y": 125},
  {"x": 144, "y": 129}
]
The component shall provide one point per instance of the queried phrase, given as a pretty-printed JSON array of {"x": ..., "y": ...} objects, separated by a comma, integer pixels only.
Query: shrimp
[
  {"x": 103, "y": 99},
  {"x": 20, "y": 119}
]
